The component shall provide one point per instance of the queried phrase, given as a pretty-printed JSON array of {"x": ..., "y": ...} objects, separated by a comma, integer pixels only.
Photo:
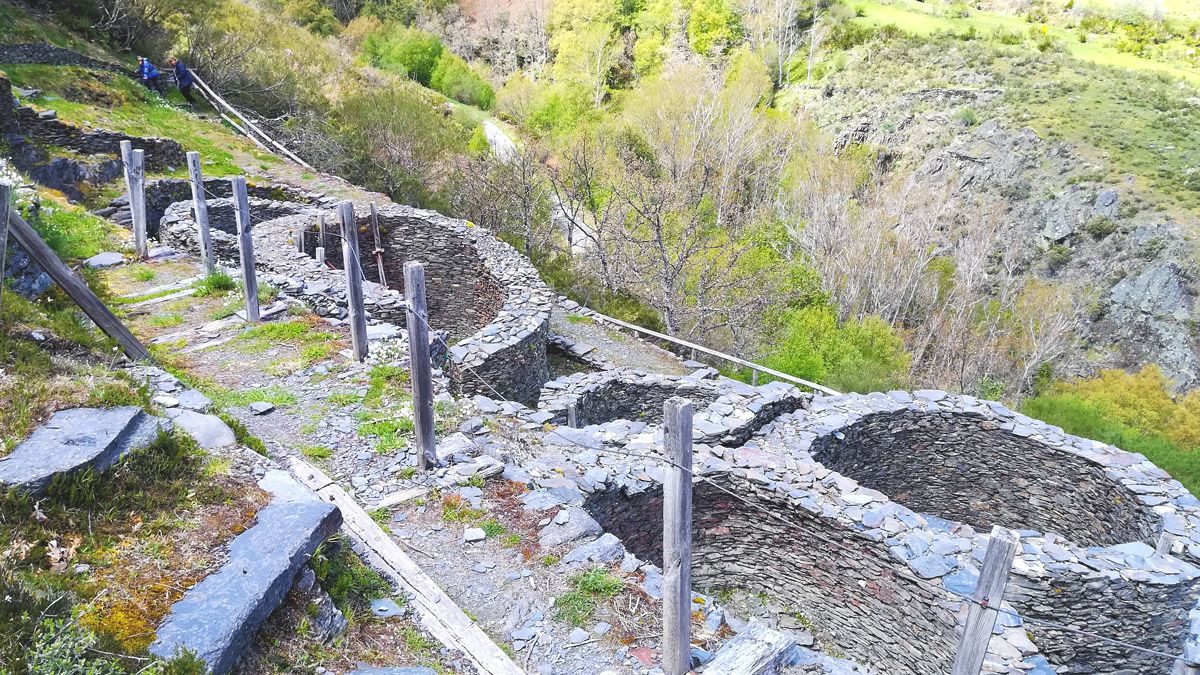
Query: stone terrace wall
[
  {"x": 161, "y": 153},
  {"x": 854, "y": 597},
  {"x": 161, "y": 194},
  {"x": 964, "y": 468},
  {"x": 40, "y": 52}
]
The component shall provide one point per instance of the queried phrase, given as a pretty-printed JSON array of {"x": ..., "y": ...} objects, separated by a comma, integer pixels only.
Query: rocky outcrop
[{"x": 75, "y": 440}]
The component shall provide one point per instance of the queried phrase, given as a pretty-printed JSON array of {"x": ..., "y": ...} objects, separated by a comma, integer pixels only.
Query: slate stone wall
[
  {"x": 461, "y": 295},
  {"x": 855, "y": 599},
  {"x": 40, "y": 52},
  {"x": 8, "y": 108},
  {"x": 964, "y": 468},
  {"x": 161, "y": 153}
]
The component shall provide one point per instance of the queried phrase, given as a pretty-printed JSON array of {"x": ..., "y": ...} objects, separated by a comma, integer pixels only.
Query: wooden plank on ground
[
  {"x": 74, "y": 287},
  {"x": 435, "y": 610}
]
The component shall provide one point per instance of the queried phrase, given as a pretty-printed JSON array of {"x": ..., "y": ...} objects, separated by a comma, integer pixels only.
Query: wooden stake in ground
[
  {"x": 6, "y": 196},
  {"x": 417, "y": 319},
  {"x": 200, "y": 206},
  {"x": 378, "y": 246},
  {"x": 677, "y": 537},
  {"x": 319, "y": 253},
  {"x": 74, "y": 287},
  {"x": 989, "y": 592},
  {"x": 572, "y": 416},
  {"x": 135, "y": 184},
  {"x": 354, "y": 287},
  {"x": 246, "y": 247}
]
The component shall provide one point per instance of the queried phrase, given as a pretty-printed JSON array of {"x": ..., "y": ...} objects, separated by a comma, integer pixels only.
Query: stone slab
[
  {"x": 757, "y": 650},
  {"x": 208, "y": 430},
  {"x": 75, "y": 440},
  {"x": 219, "y": 616}
]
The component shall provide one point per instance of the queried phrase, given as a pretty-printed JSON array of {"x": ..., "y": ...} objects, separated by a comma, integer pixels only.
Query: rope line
[{"x": 771, "y": 514}]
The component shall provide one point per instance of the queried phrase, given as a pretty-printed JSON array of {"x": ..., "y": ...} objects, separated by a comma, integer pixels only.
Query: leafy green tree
[
  {"x": 454, "y": 77},
  {"x": 712, "y": 26},
  {"x": 583, "y": 57},
  {"x": 862, "y": 355},
  {"x": 313, "y": 15}
]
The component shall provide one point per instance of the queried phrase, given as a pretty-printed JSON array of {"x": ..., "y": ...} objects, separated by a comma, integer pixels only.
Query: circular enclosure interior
[
  {"x": 844, "y": 584},
  {"x": 965, "y": 468},
  {"x": 632, "y": 399},
  {"x": 461, "y": 294}
]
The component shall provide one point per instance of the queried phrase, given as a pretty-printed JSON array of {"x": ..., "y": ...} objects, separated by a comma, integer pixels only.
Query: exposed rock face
[
  {"x": 1152, "y": 313},
  {"x": 75, "y": 440}
]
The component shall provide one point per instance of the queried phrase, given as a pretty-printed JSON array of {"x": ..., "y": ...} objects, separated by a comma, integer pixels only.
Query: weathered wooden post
[
  {"x": 300, "y": 237},
  {"x": 319, "y": 253},
  {"x": 6, "y": 192},
  {"x": 572, "y": 416},
  {"x": 135, "y": 183},
  {"x": 989, "y": 592},
  {"x": 200, "y": 206},
  {"x": 246, "y": 247},
  {"x": 418, "y": 359},
  {"x": 753, "y": 378},
  {"x": 354, "y": 287},
  {"x": 378, "y": 246},
  {"x": 677, "y": 537}
]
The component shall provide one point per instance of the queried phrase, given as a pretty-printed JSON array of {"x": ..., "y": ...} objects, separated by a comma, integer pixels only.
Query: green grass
[
  {"x": 72, "y": 232},
  {"x": 349, "y": 581},
  {"x": 493, "y": 528},
  {"x": 216, "y": 283},
  {"x": 110, "y": 101},
  {"x": 165, "y": 320},
  {"x": 242, "y": 435},
  {"x": 1076, "y": 415},
  {"x": 235, "y": 398},
  {"x": 317, "y": 452},
  {"x": 390, "y": 382},
  {"x": 577, "y": 606},
  {"x": 142, "y": 273}
]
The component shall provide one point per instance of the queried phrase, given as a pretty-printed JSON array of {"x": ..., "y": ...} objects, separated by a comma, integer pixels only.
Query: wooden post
[
  {"x": 135, "y": 182},
  {"x": 753, "y": 378},
  {"x": 677, "y": 537},
  {"x": 6, "y": 193},
  {"x": 989, "y": 592},
  {"x": 300, "y": 238},
  {"x": 417, "y": 317},
  {"x": 572, "y": 416},
  {"x": 200, "y": 206},
  {"x": 354, "y": 288},
  {"x": 319, "y": 253},
  {"x": 246, "y": 247},
  {"x": 378, "y": 246},
  {"x": 74, "y": 287}
]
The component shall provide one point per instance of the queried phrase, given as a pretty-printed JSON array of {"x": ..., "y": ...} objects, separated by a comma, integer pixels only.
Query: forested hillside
[{"x": 994, "y": 198}]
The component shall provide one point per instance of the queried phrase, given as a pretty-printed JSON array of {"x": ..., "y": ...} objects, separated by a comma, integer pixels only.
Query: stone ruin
[
  {"x": 875, "y": 492},
  {"x": 485, "y": 294}
]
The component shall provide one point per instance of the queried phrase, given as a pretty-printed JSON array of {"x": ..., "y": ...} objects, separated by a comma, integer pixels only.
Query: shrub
[
  {"x": 967, "y": 117},
  {"x": 401, "y": 49},
  {"x": 1100, "y": 227},
  {"x": 454, "y": 77},
  {"x": 862, "y": 355}
]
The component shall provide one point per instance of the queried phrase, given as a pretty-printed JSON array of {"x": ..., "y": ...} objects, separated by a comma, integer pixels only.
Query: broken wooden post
[
  {"x": 989, "y": 592},
  {"x": 246, "y": 247},
  {"x": 300, "y": 237},
  {"x": 378, "y": 246},
  {"x": 677, "y": 537},
  {"x": 417, "y": 320},
  {"x": 135, "y": 183},
  {"x": 572, "y": 416},
  {"x": 74, "y": 287},
  {"x": 319, "y": 253},
  {"x": 354, "y": 287},
  {"x": 200, "y": 206},
  {"x": 6, "y": 197}
]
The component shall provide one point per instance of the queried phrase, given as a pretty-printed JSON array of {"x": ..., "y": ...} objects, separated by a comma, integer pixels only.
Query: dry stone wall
[
  {"x": 847, "y": 554},
  {"x": 47, "y": 54},
  {"x": 965, "y": 468}
]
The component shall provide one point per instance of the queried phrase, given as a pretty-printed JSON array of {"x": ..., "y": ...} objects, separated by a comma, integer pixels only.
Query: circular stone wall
[{"x": 965, "y": 468}]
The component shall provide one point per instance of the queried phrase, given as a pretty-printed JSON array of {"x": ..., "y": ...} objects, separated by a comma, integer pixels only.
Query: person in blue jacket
[
  {"x": 184, "y": 79},
  {"x": 149, "y": 75}
]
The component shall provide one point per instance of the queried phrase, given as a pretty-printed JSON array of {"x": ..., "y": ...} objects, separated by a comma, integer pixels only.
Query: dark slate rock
[
  {"x": 74, "y": 440},
  {"x": 219, "y": 616},
  {"x": 579, "y": 524}
]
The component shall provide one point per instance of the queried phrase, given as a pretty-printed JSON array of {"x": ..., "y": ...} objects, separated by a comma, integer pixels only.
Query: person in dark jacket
[
  {"x": 184, "y": 79},
  {"x": 149, "y": 75}
]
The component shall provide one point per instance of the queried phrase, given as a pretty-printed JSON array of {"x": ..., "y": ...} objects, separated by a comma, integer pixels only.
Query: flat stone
[
  {"x": 104, "y": 260},
  {"x": 608, "y": 548},
  {"x": 385, "y": 608},
  {"x": 474, "y": 534},
  {"x": 754, "y": 644},
  {"x": 261, "y": 407},
  {"x": 74, "y": 440},
  {"x": 208, "y": 430},
  {"x": 219, "y": 616},
  {"x": 578, "y": 526},
  {"x": 579, "y": 635},
  {"x": 931, "y": 566},
  {"x": 382, "y": 331}
]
